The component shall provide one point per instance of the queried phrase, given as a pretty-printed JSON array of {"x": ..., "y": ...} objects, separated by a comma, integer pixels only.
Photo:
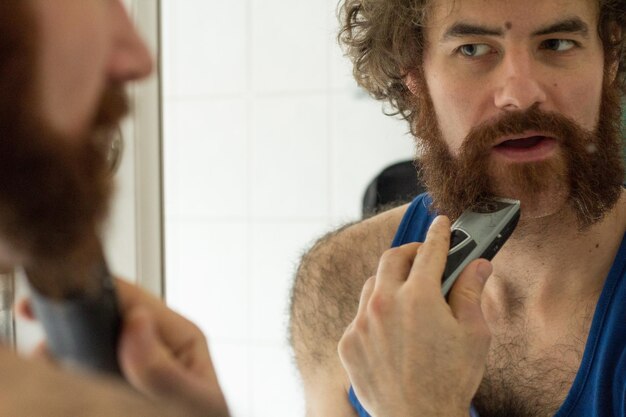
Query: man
[
  {"x": 63, "y": 67},
  {"x": 507, "y": 98}
]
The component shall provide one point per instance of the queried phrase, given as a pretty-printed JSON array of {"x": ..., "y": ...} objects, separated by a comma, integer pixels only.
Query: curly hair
[{"x": 385, "y": 41}]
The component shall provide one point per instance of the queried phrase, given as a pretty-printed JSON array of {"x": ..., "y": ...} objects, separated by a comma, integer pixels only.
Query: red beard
[
  {"x": 53, "y": 191},
  {"x": 587, "y": 171}
]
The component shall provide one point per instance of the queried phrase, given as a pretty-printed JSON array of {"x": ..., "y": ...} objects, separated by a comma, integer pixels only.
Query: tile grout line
[{"x": 249, "y": 97}]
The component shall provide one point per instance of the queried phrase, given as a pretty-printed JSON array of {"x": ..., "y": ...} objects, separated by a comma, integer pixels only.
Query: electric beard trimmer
[
  {"x": 74, "y": 299},
  {"x": 479, "y": 232}
]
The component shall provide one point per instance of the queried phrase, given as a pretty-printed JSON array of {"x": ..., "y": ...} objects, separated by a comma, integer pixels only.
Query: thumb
[
  {"x": 153, "y": 368},
  {"x": 466, "y": 293},
  {"x": 145, "y": 360}
]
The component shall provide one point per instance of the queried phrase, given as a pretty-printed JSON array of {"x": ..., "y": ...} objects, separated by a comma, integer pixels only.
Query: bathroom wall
[{"x": 268, "y": 144}]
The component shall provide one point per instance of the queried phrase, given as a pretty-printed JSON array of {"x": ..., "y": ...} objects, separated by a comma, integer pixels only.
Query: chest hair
[{"x": 527, "y": 376}]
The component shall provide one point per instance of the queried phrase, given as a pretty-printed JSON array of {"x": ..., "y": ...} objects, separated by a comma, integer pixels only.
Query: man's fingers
[
  {"x": 143, "y": 356},
  {"x": 366, "y": 293},
  {"x": 175, "y": 330},
  {"x": 430, "y": 261},
  {"x": 153, "y": 368},
  {"x": 394, "y": 266},
  {"x": 130, "y": 296},
  {"x": 350, "y": 339},
  {"x": 466, "y": 293}
]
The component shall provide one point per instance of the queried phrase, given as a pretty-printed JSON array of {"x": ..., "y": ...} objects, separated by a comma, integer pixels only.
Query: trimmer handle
[{"x": 83, "y": 331}]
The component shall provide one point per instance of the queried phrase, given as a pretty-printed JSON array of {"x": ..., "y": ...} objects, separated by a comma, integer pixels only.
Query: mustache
[
  {"x": 113, "y": 107},
  {"x": 587, "y": 163},
  {"x": 483, "y": 137}
]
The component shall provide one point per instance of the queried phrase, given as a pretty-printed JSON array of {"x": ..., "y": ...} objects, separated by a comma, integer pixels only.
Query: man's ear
[{"x": 410, "y": 80}]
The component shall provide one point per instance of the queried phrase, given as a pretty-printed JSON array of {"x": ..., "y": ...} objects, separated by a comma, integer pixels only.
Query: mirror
[{"x": 268, "y": 143}]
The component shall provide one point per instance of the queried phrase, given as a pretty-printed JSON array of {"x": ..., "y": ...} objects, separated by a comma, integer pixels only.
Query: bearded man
[
  {"x": 508, "y": 98},
  {"x": 63, "y": 68}
]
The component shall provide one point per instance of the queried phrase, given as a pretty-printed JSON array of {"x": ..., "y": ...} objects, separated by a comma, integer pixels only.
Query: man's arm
[
  {"x": 162, "y": 354},
  {"x": 38, "y": 389},
  {"x": 408, "y": 352},
  {"x": 325, "y": 298}
]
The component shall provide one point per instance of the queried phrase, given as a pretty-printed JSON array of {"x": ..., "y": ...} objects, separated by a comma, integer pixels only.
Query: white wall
[{"x": 268, "y": 144}]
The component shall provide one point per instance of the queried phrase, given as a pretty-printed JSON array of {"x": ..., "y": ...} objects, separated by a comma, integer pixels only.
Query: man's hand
[
  {"x": 408, "y": 352},
  {"x": 162, "y": 354},
  {"x": 165, "y": 355}
]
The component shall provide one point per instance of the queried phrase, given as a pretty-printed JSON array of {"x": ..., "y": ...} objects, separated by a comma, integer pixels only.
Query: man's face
[
  {"x": 514, "y": 93},
  {"x": 84, "y": 47},
  {"x": 63, "y": 65}
]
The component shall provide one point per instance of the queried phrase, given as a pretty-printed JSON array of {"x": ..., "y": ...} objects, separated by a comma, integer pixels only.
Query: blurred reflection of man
[
  {"x": 63, "y": 68},
  {"x": 512, "y": 98}
]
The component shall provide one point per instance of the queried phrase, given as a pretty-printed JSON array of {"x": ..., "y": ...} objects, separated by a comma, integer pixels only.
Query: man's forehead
[{"x": 505, "y": 15}]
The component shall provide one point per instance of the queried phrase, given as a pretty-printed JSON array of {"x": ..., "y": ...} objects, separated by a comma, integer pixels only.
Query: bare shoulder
[
  {"x": 37, "y": 389},
  {"x": 325, "y": 298}
]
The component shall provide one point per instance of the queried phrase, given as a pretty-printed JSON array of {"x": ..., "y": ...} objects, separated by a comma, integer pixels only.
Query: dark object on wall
[{"x": 395, "y": 185}]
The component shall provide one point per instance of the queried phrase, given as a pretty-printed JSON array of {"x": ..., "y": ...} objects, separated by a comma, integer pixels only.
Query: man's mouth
[
  {"x": 523, "y": 142},
  {"x": 527, "y": 148}
]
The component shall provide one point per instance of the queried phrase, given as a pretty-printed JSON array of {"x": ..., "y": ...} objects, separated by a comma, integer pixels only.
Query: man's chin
[
  {"x": 55, "y": 189},
  {"x": 545, "y": 194},
  {"x": 543, "y": 204}
]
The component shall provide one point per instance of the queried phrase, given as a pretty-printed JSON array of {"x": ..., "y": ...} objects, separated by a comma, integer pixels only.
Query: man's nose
[
  {"x": 519, "y": 83},
  {"x": 130, "y": 58}
]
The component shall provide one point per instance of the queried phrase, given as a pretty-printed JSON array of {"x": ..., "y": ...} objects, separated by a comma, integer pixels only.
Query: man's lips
[
  {"x": 526, "y": 148},
  {"x": 524, "y": 139},
  {"x": 523, "y": 142}
]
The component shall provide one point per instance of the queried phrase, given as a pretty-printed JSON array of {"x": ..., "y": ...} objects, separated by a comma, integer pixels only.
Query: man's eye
[
  {"x": 474, "y": 50},
  {"x": 558, "y": 45}
]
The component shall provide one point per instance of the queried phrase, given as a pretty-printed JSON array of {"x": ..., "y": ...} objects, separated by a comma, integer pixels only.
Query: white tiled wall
[{"x": 268, "y": 142}]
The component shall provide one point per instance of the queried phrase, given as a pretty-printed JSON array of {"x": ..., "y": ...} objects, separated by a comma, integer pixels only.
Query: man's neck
[{"x": 548, "y": 263}]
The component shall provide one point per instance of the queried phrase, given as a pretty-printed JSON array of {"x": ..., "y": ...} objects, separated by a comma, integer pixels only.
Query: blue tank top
[{"x": 599, "y": 388}]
